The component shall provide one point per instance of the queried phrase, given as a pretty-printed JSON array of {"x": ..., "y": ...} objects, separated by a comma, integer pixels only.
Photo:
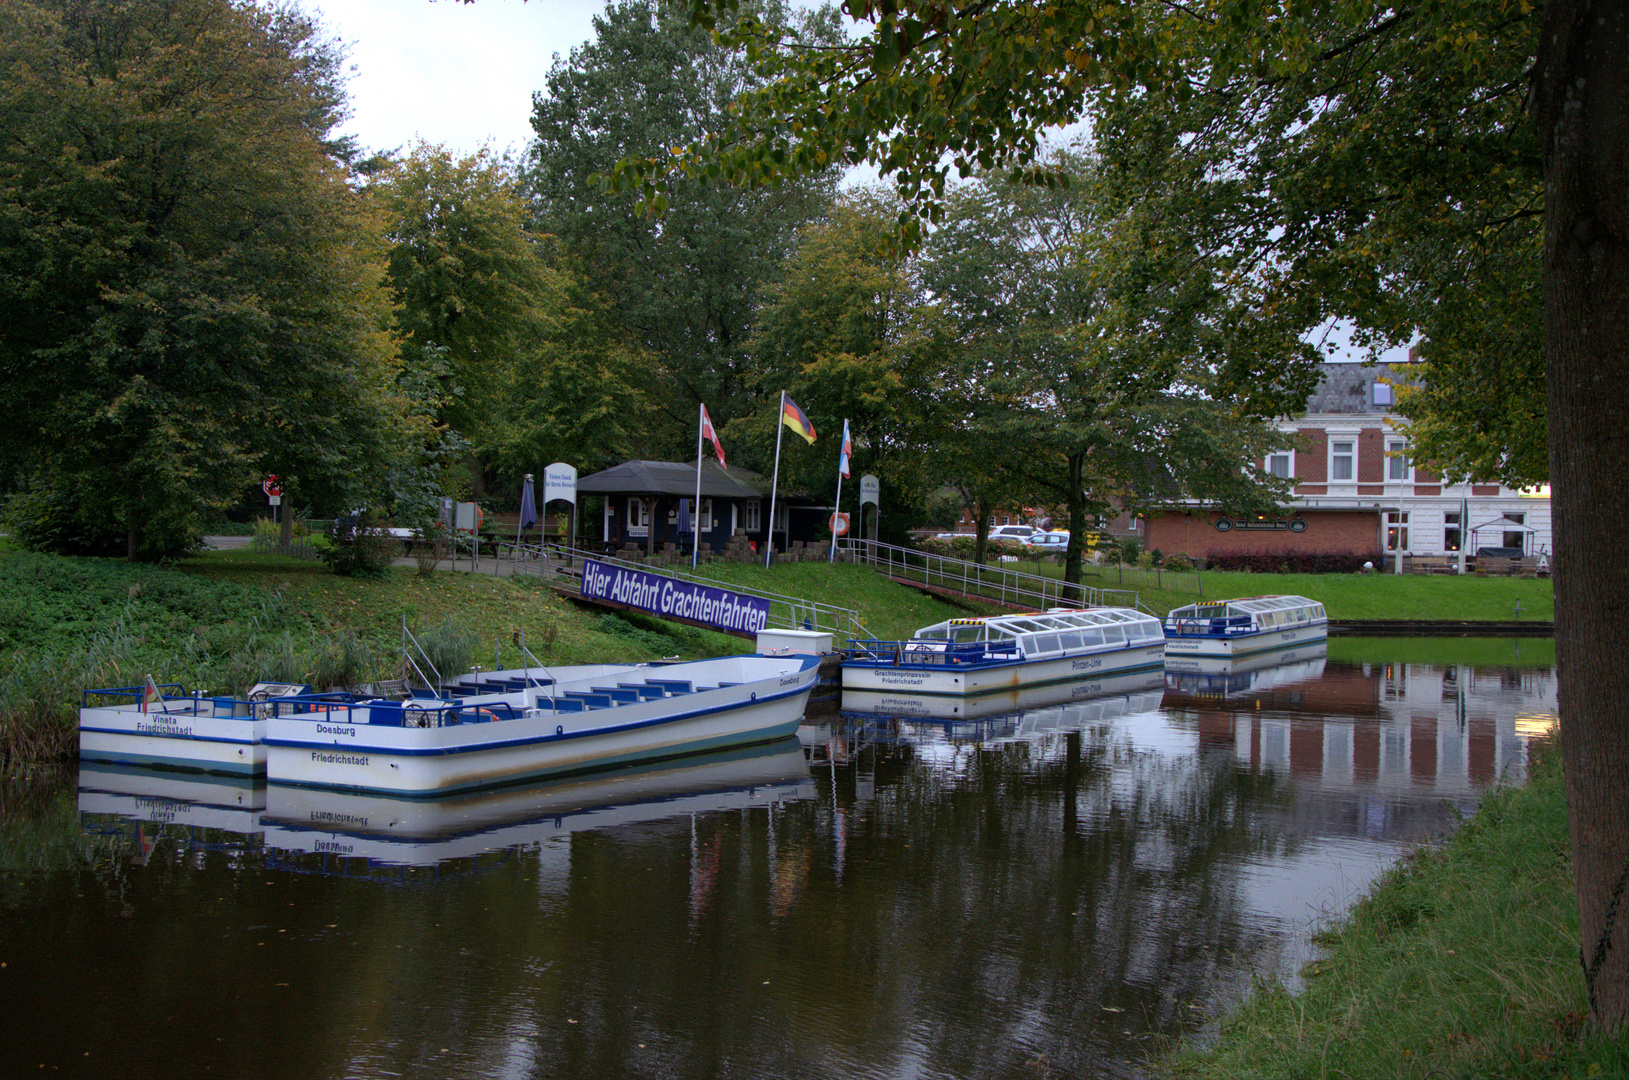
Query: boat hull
[
  {"x": 1245, "y": 645},
  {"x": 894, "y": 703},
  {"x": 124, "y": 735},
  {"x": 344, "y": 751},
  {"x": 918, "y": 680}
]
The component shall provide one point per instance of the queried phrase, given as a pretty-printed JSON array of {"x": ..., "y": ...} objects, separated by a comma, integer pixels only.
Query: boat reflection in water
[
  {"x": 162, "y": 797},
  {"x": 1225, "y": 677},
  {"x": 395, "y": 831}
]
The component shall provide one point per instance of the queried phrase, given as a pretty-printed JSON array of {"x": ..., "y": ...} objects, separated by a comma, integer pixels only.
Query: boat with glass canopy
[
  {"x": 1248, "y": 626},
  {"x": 998, "y": 654}
]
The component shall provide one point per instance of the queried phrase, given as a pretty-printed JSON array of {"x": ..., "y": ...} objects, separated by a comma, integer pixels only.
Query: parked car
[
  {"x": 1048, "y": 541},
  {"x": 1012, "y": 532}
]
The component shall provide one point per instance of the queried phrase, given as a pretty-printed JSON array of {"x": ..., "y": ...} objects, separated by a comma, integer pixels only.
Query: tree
[
  {"x": 684, "y": 284},
  {"x": 1097, "y": 352},
  {"x": 506, "y": 354},
  {"x": 192, "y": 290},
  {"x": 928, "y": 86},
  {"x": 836, "y": 332}
]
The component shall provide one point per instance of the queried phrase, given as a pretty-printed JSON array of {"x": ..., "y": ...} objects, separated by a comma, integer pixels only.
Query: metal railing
[
  {"x": 785, "y": 612},
  {"x": 999, "y": 583}
]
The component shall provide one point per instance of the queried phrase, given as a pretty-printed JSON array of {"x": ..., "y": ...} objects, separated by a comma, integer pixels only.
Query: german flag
[{"x": 794, "y": 418}]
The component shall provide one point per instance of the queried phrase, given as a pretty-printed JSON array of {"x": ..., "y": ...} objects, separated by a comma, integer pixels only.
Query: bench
[{"x": 1432, "y": 564}]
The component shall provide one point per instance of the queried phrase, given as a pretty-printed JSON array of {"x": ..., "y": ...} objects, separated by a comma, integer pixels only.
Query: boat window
[
  {"x": 1046, "y": 643},
  {"x": 1113, "y": 634},
  {"x": 1070, "y": 640},
  {"x": 932, "y": 633},
  {"x": 1094, "y": 636},
  {"x": 963, "y": 634}
]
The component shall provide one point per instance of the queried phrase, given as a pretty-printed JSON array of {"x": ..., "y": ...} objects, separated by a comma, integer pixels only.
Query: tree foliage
[
  {"x": 192, "y": 292},
  {"x": 684, "y": 283}
]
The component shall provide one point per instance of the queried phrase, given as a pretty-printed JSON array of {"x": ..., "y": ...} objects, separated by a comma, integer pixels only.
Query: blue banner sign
[{"x": 732, "y": 612}]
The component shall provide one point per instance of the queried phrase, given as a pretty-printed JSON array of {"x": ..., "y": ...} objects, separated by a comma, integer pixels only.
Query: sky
[{"x": 457, "y": 74}]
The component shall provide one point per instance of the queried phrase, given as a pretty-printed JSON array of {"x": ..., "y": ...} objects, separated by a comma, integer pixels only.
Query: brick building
[{"x": 1358, "y": 490}]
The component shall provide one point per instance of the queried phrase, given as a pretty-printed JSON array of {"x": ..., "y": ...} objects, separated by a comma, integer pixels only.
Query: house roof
[
  {"x": 669, "y": 478},
  {"x": 1349, "y": 388}
]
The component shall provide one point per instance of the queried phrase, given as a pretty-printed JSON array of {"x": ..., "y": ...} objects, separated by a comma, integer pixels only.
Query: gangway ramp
[{"x": 997, "y": 584}]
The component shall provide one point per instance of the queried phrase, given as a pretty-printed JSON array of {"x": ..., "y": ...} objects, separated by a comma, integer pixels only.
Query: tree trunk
[{"x": 1582, "y": 108}]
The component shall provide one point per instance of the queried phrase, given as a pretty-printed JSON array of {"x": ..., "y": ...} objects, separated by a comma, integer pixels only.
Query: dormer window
[{"x": 1382, "y": 394}]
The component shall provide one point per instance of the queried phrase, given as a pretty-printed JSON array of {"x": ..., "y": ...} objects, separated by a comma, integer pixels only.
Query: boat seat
[
  {"x": 590, "y": 700},
  {"x": 619, "y": 694},
  {"x": 645, "y": 691},
  {"x": 672, "y": 686}
]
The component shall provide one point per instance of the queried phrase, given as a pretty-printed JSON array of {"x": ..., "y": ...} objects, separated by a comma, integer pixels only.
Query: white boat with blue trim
[
  {"x": 169, "y": 727},
  {"x": 1246, "y": 627},
  {"x": 1001, "y": 654},
  {"x": 436, "y": 745}
]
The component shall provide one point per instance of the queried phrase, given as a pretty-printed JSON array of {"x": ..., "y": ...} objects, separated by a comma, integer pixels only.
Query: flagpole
[
  {"x": 831, "y": 556},
  {"x": 695, "y": 508},
  {"x": 774, "y": 482}
]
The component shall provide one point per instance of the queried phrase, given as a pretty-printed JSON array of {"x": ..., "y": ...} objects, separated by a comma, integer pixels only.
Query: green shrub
[{"x": 361, "y": 545}]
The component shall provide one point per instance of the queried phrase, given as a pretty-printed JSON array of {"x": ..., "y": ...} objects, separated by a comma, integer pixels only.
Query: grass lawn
[{"x": 1344, "y": 596}]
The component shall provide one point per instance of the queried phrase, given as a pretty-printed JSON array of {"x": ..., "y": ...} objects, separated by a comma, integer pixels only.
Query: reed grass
[{"x": 1461, "y": 962}]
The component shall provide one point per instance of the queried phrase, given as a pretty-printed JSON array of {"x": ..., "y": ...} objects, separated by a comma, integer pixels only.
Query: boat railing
[
  {"x": 1220, "y": 626},
  {"x": 785, "y": 612},
  {"x": 999, "y": 583},
  {"x": 415, "y": 712},
  {"x": 917, "y": 653},
  {"x": 225, "y": 706}
]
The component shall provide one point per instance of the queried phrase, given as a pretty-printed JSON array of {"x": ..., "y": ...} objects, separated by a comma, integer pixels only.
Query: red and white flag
[{"x": 707, "y": 430}]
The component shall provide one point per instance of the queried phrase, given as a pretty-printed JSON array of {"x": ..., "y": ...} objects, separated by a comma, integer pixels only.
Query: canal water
[{"x": 1051, "y": 894}]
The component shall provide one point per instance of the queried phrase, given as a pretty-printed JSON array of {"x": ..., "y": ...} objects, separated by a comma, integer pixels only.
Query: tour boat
[
  {"x": 1248, "y": 626},
  {"x": 429, "y": 746},
  {"x": 169, "y": 727},
  {"x": 172, "y": 728},
  {"x": 1000, "y": 654}
]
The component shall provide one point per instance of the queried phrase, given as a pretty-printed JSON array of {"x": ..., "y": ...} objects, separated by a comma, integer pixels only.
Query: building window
[
  {"x": 1382, "y": 394},
  {"x": 1279, "y": 465},
  {"x": 1516, "y": 538},
  {"x": 752, "y": 515},
  {"x": 638, "y": 515},
  {"x": 1398, "y": 466},
  {"x": 1397, "y": 530},
  {"x": 782, "y": 516},
  {"x": 704, "y": 520},
  {"x": 1450, "y": 532},
  {"x": 1342, "y": 459}
]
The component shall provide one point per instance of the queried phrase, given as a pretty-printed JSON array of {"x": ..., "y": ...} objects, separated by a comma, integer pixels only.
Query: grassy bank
[
  {"x": 1351, "y": 596},
  {"x": 228, "y": 619},
  {"x": 1461, "y": 962}
]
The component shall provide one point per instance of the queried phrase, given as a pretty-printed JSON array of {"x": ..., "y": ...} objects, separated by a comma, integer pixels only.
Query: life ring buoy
[{"x": 839, "y": 524}]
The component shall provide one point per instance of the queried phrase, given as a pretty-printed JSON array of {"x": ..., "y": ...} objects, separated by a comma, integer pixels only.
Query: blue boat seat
[
  {"x": 621, "y": 695},
  {"x": 387, "y": 713},
  {"x": 672, "y": 686},
  {"x": 645, "y": 691}
]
